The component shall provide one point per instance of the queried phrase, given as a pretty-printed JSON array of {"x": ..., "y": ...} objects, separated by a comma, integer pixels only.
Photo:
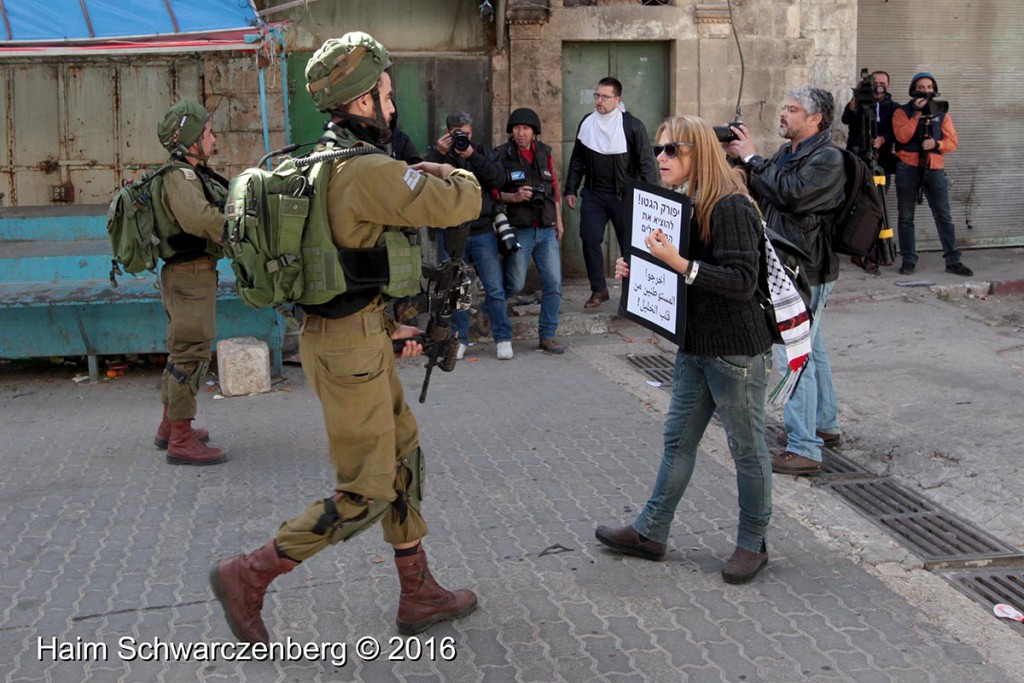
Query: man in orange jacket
[{"x": 924, "y": 135}]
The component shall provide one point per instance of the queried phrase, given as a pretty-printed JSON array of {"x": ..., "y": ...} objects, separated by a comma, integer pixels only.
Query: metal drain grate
[
  {"x": 937, "y": 536},
  {"x": 944, "y": 540},
  {"x": 659, "y": 368},
  {"x": 881, "y": 497},
  {"x": 991, "y": 588},
  {"x": 834, "y": 463}
]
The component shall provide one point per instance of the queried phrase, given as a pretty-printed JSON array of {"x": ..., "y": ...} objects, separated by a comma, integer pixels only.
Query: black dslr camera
[
  {"x": 725, "y": 134},
  {"x": 932, "y": 107},
  {"x": 460, "y": 141},
  {"x": 538, "y": 196}
]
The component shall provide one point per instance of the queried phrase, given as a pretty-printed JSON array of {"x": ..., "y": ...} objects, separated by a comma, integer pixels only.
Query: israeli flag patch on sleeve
[
  {"x": 412, "y": 178},
  {"x": 189, "y": 173}
]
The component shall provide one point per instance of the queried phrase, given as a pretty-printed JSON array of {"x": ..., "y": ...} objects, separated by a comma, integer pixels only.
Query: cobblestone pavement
[{"x": 107, "y": 547}]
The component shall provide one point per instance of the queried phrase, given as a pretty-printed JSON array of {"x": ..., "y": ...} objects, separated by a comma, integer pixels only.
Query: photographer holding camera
[
  {"x": 870, "y": 112},
  {"x": 924, "y": 135},
  {"x": 530, "y": 193},
  {"x": 456, "y": 147}
]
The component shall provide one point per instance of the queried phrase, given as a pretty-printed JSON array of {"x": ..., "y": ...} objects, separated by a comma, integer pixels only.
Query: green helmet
[
  {"x": 345, "y": 68},
  {"x": 182, "y": 125}
]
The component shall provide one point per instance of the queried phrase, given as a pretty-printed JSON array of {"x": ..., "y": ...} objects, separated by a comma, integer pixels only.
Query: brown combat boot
[
  {"x": 185, "y": 449},
  {"x": 163, "y": 432},
  {"x": 424, "y": 602},
  {"x": 240, "y": 584}
]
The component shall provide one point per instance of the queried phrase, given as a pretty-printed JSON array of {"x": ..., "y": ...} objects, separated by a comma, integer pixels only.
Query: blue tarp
[{"x": 65, "y": 20}]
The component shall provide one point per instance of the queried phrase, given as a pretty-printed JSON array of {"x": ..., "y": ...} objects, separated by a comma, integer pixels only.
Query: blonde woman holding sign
[{"x": 724, "y": 361}]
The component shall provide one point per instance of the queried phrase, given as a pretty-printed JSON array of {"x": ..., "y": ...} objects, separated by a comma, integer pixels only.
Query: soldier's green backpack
[
  {"x": 132, "y": 225},
  {"x": 280, "y": 243}
]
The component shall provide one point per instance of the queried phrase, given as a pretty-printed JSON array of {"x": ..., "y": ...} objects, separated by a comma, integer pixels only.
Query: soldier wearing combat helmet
[
  {"x": 190, "y": 222},
  {"x": 347, "y": 356}
]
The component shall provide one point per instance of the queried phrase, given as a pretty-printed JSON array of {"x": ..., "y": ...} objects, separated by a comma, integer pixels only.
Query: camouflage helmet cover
[
  {"x": 182, "y": 124},
  {"x": 345, "y": 68}
]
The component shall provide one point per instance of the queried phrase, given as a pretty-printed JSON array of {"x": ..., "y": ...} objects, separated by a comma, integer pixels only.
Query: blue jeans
[
  {"x": 482, "y": 252},
  {"x": 596, "y": 209},
  {"x": 812, "y": 407},
  {"x": 735, "y": 386},
  {"x": 936, "y": 189},
  {"x": 542, "y": 245}
]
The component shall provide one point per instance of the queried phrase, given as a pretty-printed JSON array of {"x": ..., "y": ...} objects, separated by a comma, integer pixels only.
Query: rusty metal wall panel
[
  {"x": 975, "y": 50},
  {"x": 89, "y": 113},
  {"x": 35, "y": 133},
  {"x": 145, "y": 90},
  {"x": 6, "y": 122},
  {"x": 73, "y": 128},
  {"x": 37, "y": 130}
]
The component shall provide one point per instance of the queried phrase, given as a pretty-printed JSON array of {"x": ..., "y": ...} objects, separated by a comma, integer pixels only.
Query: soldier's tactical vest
[
  {"x": 281, "y": 246},
  {"x": 167, "y": 227},
  {"x": 519, "y": 173}
]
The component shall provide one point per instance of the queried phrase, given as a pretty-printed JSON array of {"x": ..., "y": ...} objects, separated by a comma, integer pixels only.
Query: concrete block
[{"x": 243, "y": 366}]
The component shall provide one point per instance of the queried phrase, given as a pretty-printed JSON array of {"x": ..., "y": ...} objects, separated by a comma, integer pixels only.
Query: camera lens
[
  {"x": 506, "y": 235},
  {"x": 460, "y": 141}
]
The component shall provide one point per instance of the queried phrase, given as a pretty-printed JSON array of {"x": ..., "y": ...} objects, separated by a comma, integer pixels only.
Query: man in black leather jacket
[{"x": 799, "y": 190}]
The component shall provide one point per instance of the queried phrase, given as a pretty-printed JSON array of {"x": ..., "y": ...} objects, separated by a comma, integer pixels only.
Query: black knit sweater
[{"x": 723, "y": 316}]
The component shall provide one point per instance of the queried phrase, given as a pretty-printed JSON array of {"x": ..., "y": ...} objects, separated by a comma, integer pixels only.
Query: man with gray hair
[{"x": 799, "y": 189}]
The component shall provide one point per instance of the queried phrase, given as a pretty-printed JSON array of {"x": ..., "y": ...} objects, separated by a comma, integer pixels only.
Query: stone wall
[
  {"x": 785, "y": 43},
  {"x": 232, "y": 94}
]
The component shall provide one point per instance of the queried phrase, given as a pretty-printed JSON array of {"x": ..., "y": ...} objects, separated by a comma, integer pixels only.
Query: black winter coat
[{"x": 638, "y": 162}]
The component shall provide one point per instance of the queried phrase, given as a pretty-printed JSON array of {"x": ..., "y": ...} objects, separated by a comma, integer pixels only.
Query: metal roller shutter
[{"x": 975, "y": 49}]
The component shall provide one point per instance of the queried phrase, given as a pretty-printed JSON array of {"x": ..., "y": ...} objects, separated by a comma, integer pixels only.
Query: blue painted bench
[{"x": 56, "y": 298}]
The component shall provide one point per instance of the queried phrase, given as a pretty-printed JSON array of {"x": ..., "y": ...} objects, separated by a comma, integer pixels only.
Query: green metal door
[
  {"x": 307, "y": 124},
  {"x": 642, "y": 67},
  {"x": 426, "y": 89}
]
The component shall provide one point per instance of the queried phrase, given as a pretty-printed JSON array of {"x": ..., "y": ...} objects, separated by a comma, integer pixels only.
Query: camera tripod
[{"x": 883, "y": 252}]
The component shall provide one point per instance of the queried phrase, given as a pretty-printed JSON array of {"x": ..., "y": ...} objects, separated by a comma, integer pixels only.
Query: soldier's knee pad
[
  {"x": 188, "y": 373},
  {"x": 409, "y": 483},
  {"x": 349, "y": 517}
]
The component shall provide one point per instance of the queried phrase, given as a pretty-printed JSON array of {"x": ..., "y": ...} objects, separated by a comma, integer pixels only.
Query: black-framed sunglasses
[{"x": 670, "y": 149}]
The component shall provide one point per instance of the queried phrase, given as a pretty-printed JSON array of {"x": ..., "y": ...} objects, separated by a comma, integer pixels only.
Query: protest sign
[{"x": 655, "y": 293}]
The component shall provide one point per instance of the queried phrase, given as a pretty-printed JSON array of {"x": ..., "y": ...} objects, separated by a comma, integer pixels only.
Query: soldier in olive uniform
[
  {"x": 347, "y": 355},
  {"x": 190, "y": 221}
]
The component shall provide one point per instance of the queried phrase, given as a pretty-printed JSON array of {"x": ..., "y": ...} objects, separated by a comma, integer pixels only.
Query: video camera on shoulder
[
  {"x": 460, "y": 141},
  {"x": 725, "y": 133},
  {"x": 932, "y": 107}
]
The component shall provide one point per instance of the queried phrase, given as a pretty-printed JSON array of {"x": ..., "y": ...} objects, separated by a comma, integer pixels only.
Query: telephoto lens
[{"x": 506, "y": 235}]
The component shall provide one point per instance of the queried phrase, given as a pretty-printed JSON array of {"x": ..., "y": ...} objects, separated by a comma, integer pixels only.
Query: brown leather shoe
[
  {"x": 789, "y": 462},
  {"x": 424, "y": 602},
  {"x": 744, "y": 565},
  {"x": 551, "y": 346},
  {"x": 163, "y": 433},
  {"x": 185, "y": 448},
  {"x": 626, "y": 540},
  {"x": 240, "y": 584},
  {"x": 596, "y": 299}
]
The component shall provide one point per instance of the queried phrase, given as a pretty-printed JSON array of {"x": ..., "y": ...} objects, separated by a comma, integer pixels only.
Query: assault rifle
[{"x": 448, "y": 290}]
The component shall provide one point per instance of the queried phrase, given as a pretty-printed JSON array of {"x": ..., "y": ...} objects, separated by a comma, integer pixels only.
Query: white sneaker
[
  {"x": 505, "y": 350},
  {"x": 461, "y": 352}
]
